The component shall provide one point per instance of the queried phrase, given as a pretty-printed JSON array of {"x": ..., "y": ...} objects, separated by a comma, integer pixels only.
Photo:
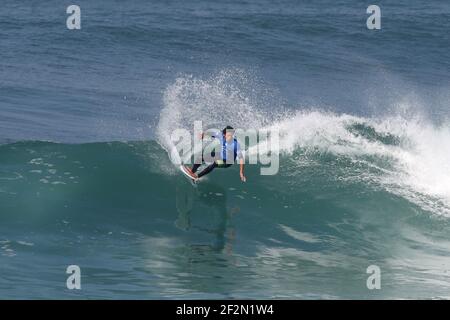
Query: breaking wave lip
[{"x": 412, "y": 155}]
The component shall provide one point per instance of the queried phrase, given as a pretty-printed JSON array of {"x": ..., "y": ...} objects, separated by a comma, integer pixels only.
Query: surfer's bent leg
[
  {"x": 195, "y": 168},
  {"x": 207, "y": 170},
  {"x": 197, "y": 165}
]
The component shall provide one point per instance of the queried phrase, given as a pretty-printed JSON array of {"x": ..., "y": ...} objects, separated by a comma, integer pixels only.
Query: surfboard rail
[{"x": 188, "y": 175}]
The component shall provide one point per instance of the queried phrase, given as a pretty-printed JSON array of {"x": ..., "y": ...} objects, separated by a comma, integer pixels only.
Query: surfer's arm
[
  {"x": 240, "y": 156},
  {"x": 209, "y": 134},
  {"x": 241, "y": 170}
]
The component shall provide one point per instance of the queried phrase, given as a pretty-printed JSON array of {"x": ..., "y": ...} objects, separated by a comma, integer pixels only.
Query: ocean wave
[{"x": 408, "y": 156}]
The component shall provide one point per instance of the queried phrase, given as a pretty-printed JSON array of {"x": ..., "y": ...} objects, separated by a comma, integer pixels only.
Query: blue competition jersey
[{"x": 229, "y": 149}]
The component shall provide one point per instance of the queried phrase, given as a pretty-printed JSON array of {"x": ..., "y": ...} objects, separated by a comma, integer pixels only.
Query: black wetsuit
[{"x": 209, "y": 168}]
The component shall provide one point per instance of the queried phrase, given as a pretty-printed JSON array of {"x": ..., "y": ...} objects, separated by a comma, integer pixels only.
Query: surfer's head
[{"x": 228, "y": 132}]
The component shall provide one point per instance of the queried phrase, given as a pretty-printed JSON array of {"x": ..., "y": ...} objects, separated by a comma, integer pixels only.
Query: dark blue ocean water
[
  {"x": 364, "y": 175},
  {"x": 106, "y": 80}
]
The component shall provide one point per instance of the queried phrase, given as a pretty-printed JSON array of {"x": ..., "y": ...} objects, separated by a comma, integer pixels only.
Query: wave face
[{"x": 351, "y": 192}]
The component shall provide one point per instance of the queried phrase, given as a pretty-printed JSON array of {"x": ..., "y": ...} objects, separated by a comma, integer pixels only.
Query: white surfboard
[{"x": 191, "y": 179}]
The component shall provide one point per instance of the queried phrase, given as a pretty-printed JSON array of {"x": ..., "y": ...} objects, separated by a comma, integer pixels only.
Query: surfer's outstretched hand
[{"x": 243, "y": 178}]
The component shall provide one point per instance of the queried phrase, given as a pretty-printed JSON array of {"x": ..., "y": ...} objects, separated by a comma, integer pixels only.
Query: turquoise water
[
  {"x": 85, "y": 175},
  {"x": 140, "y": 232}
]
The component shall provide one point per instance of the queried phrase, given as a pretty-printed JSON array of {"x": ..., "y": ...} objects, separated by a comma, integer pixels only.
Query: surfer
[{"x": 230, "y": 148}]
